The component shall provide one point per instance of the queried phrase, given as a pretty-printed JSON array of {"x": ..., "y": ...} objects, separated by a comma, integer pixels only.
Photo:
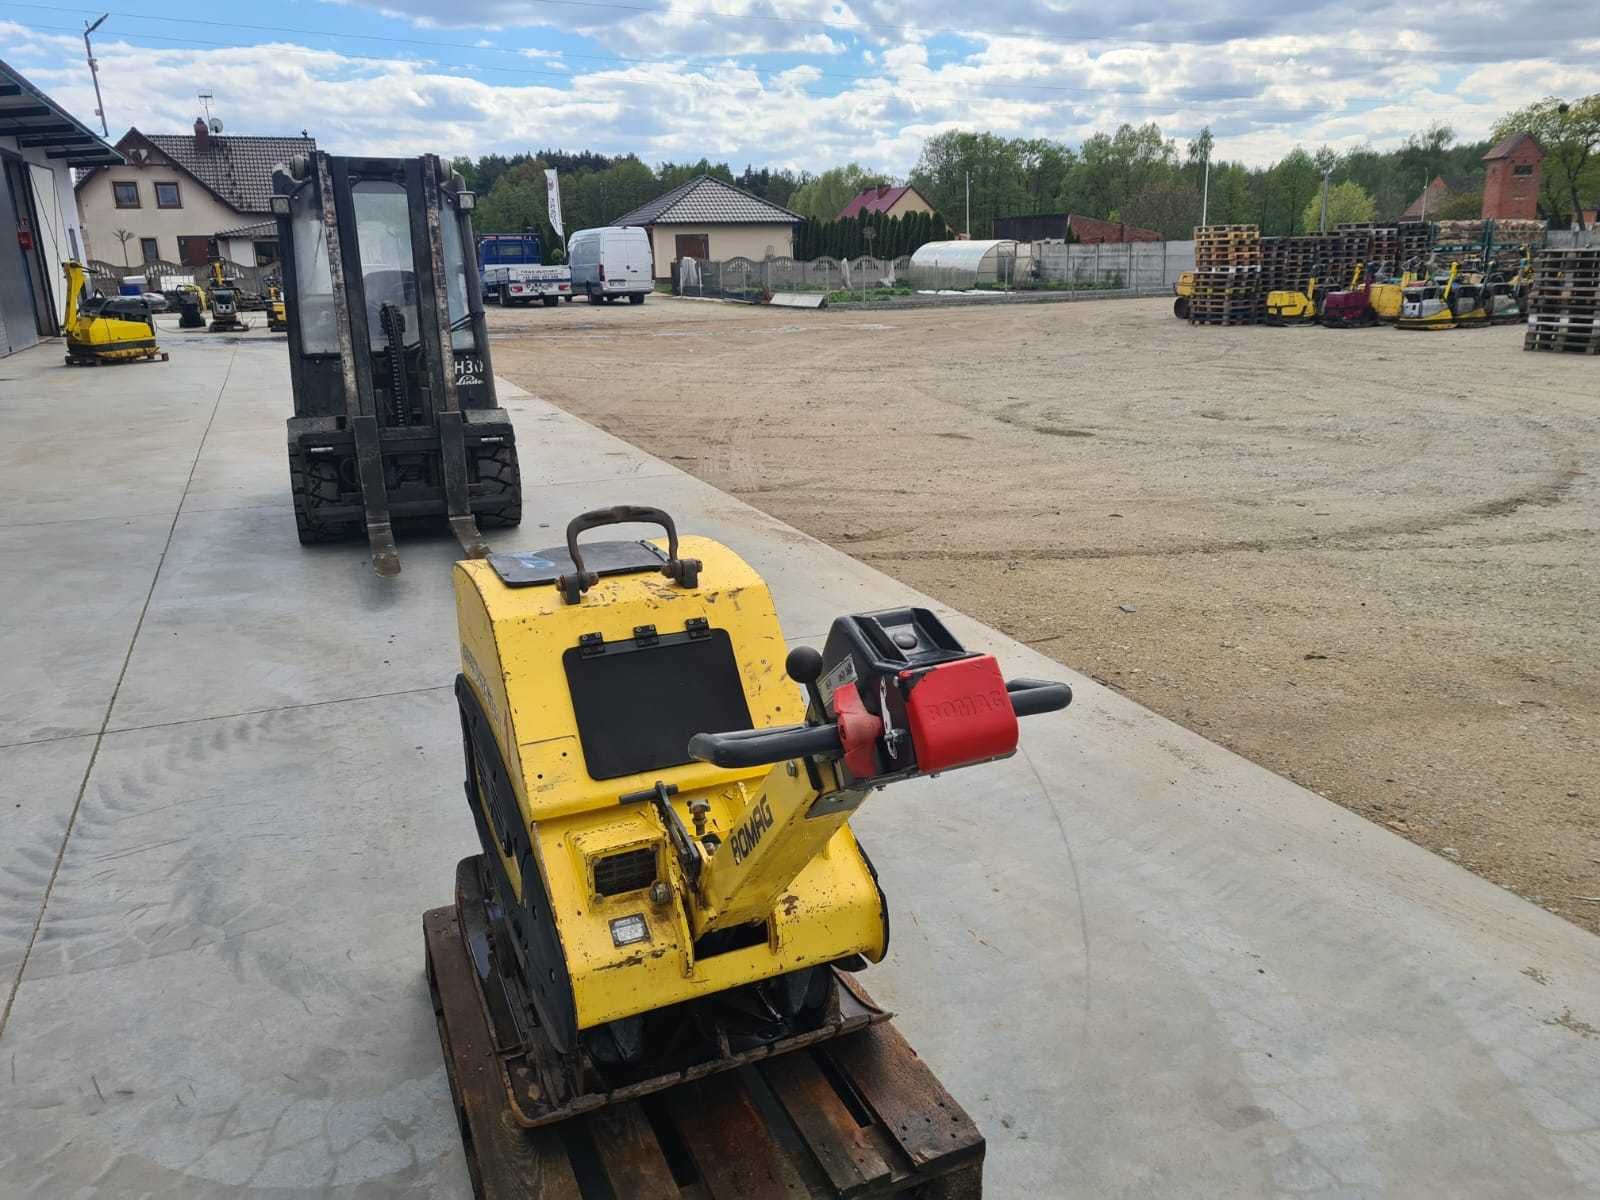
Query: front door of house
[
  {"x": 694, "y": 245},
  {"x": 194, "y": 251}
]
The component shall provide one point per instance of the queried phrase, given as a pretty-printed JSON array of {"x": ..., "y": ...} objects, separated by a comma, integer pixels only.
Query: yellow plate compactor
[
  {"x": 105, "y": 329},
  {"x": 669, "y": 884}
]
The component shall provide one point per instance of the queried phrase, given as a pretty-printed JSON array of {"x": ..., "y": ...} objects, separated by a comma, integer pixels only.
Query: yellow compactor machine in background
[
  {"x": 105, "y": 329},
  {"x": 669, "y": 885}
]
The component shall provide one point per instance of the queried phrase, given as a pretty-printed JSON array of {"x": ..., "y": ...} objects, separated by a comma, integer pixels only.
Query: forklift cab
[{"x": 395, "y": 415}]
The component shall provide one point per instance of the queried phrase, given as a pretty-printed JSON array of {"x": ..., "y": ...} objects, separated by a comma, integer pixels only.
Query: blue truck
[{"x": 512, "y": 271}]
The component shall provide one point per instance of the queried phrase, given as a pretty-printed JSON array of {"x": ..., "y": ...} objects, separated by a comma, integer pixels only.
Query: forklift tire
[
  {"x": 636, "y": 298},
  {"x": 1180, "y": 308},
  {"x": 500, "y": 482},
  {"x": 550, "y": 301},
  {"x": 314, "y": 482}
]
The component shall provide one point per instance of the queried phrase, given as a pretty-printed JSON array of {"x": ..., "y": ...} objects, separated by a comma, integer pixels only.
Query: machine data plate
[{"x": 538, "y": 567}]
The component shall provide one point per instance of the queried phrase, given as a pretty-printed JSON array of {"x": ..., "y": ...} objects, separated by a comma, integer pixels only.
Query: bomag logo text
[
  {"x": 748, "y": 836},
  {"x": 968, "y": 706}
]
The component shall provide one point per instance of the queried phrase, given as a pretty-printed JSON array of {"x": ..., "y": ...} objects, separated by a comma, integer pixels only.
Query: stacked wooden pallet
[
  {"x": 1413, "y": 241},
  {"x": 1564, "y": 304},
  {"x": 1227, "y": 279}
]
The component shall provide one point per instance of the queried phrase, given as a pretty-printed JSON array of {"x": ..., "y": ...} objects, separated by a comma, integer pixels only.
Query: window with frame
[
  {"x": 126, "y": 195},
  {"x": 148, "y": 248},
  {"x": 167, "y": 196},
  {"x": 1523, "y": 169}
]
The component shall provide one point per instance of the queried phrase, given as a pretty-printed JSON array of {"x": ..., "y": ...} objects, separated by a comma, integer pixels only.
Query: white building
[
  {"x": 176, "y": 192},
  {"x": 707, "y": 219},
  {"x": 39, "y": 143}
]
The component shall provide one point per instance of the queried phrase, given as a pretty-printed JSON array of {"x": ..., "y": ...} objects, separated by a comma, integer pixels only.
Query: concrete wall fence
[{"x": 1114, "y": 269}]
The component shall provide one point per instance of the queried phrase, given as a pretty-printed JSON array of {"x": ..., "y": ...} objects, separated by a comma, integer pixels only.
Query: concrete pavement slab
[
  {"x": 226, "y": 995},
  {"x": 71, "y": 593},
  {"x": 1147, "y": 966},
  {"x": 38, "y": 787},
  {"x": 79, "y": 442}
]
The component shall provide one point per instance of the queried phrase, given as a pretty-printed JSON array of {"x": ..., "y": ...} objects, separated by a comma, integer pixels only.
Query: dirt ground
[{"x": 1365, "y": 559}]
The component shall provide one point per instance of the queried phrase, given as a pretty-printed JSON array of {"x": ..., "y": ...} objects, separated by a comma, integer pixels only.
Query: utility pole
[
  {"x": 1325, "y": 177},
  {"x": 969, "y": 205},
  {"x": 1205, "y": 189},
  {"x": 94, "y": 73}
]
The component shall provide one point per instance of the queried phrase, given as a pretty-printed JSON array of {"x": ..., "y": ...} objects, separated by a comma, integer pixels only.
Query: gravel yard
[{"x": 1366, "y": 559}]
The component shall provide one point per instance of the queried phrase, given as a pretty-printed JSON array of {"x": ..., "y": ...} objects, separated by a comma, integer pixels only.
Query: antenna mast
[{"x": 94, "y": 73}]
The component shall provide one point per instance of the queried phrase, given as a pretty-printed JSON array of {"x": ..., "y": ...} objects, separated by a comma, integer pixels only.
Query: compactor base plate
[{"x": 857, "y": 1115}]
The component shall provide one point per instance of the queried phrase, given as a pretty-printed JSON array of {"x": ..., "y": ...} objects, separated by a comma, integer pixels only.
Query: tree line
[{"x": 1135, "y": 174}]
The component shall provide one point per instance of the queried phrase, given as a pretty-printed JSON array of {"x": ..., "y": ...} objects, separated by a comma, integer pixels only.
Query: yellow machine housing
[
  {"x": 1293, "y": 307},
  {"x": 1183, "y": 291},
  {"x": 277, "y": 311},
  {"x": 817, "y": 903},
  {"x": 96, "y": 332}
]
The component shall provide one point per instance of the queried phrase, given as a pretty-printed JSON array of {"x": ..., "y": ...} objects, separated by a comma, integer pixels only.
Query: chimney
[
  {"x": 202, "y": 135},
  {"x": 883, "y": 190}
]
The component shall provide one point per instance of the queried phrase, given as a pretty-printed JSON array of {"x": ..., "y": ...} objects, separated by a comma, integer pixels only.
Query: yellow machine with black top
[
  {"x": 1183, "y": 293},
  {"x": 277, "y": 311},
  {"x": 105, "y": 329},
  {"x": 1292, "y": 307},
  {"x": 669, "y": 885}
]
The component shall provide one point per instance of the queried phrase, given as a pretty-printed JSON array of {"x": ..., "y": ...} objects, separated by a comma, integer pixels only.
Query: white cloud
[{"x": 1263, "y": 96}]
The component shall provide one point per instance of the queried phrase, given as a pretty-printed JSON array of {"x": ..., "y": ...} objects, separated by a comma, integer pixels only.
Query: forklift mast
[{"x": 395, "y": 411}]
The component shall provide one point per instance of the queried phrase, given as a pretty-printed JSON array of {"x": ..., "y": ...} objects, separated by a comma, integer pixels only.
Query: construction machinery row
[{"x": 1453, "y": 284}]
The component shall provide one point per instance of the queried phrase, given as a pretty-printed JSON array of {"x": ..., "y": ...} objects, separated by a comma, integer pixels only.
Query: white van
[{"x": 611, "y": 262}]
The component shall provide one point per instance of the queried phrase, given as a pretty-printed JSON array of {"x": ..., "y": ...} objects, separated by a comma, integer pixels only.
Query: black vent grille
[{"x": 625, "y": 872}]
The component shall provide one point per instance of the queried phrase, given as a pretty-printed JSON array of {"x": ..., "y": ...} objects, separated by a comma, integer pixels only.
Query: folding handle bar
[{"x": 760, "y": 747}]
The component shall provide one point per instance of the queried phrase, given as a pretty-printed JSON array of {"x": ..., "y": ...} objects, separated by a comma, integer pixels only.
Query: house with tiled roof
[
  {"x": 176, "y": 192},
  {"x": 887, "y": 199},
  {"x": 707, "y": 219}
]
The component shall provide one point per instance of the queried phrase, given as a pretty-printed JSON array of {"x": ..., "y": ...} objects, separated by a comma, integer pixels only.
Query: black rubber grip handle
[
  {"x": 1030, "y": 697},
  {"x": 685, "y": 572},
  {"x": 619, "y": 514},
  {"x": 758, "y": 747}
]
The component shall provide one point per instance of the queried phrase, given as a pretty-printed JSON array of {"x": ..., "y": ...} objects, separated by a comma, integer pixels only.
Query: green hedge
[{"x": 892, "y": 236}]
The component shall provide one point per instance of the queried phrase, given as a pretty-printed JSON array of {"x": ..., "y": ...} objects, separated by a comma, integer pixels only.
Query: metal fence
[
  {"x": 1112, "y": 269},
  {"x": 167, "y": 277}
]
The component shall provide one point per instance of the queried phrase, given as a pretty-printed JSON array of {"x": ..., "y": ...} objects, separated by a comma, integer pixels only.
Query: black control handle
[
  {"x": 758, "y": 747},
  {"x": 685, "y": 572},
  {"x": 1032, "y": 697}
]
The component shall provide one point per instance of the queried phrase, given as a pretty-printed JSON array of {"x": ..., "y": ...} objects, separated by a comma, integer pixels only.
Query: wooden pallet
[
  {"x": 1563, "y": 342},
  {"x": 860, "y": 1117}
]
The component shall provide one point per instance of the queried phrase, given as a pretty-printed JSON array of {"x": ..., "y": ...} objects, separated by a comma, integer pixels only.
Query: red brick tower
[{"x": 1511, "y": 178}]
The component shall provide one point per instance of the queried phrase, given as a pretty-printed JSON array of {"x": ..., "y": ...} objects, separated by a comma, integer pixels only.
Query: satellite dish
[{"x": 216, "y": 124}]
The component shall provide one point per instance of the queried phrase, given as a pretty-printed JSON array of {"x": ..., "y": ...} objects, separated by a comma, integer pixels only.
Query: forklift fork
[
  {"x": 452, "y": 441},
  {"x": 358, "y": 401}
]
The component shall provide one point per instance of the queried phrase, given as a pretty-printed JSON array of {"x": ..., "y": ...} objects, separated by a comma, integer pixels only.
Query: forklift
[
  {"x": 395, "y": 415},
  {"x": 669, "y": 891}
]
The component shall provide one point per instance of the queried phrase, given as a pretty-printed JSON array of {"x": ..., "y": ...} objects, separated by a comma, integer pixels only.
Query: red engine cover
[{"x": 959, "y": 713}]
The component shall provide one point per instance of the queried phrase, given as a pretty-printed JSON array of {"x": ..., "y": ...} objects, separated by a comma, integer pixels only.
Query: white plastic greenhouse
[{"x": 966, "y": 264}]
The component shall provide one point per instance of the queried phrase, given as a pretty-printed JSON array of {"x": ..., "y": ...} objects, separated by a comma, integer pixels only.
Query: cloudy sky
[{"x": 807, "y": 83}]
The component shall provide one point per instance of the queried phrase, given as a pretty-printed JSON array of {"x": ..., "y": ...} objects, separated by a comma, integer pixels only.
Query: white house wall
[
  {"x": 726, "y": 241},
  {"x": 202, "y": 214}
]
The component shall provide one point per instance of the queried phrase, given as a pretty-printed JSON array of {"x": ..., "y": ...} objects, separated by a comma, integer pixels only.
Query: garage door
[{"x": 16, "y": 270}]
